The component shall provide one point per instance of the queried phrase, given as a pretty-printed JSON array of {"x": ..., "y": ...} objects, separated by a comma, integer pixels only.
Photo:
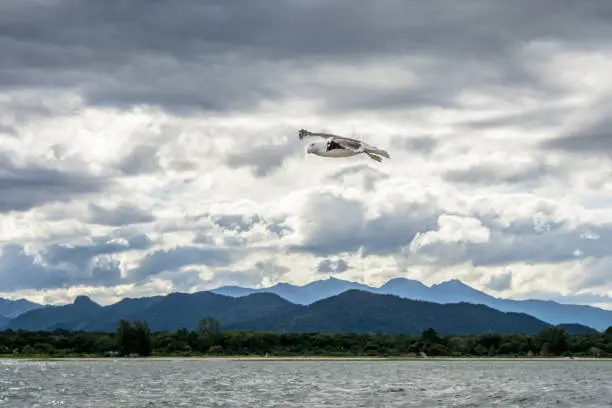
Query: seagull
[{"x": 340, "y": 146}]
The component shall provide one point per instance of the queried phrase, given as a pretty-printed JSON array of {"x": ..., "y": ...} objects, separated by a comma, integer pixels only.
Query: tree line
[{"x": 136, "y": 339}]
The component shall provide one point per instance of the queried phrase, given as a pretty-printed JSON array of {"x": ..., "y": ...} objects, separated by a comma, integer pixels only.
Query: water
[{"x": 206, "y": 383}]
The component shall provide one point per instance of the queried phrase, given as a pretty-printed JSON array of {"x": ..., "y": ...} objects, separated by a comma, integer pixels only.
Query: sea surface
[{"x": 209, "y": 383}]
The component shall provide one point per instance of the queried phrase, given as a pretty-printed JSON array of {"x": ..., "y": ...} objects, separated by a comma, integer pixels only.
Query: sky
[{"x": 151, "y": 147}]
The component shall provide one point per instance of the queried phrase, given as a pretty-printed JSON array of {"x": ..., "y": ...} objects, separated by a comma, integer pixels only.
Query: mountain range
[
  {"x": 353, "y": 311},
  {"x": 452, "y": 291},
  {"x": 20, "y": 313}
]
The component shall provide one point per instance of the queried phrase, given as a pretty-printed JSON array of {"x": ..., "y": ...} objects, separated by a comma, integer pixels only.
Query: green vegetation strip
[{"x": 208, "y": 340}]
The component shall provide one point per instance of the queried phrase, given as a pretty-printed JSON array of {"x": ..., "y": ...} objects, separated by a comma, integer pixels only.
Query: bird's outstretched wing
[{"x": 304, "y": 133}]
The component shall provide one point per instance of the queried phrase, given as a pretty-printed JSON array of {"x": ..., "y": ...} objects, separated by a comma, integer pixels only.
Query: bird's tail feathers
[
  {"x": 374, "y": 157},
  {"x": 379, "y": 152}
]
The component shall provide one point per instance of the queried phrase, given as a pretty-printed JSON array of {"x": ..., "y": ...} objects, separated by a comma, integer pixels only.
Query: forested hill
[
  {"x": 357, "y": 311},
  {"x": 352, "y": 311}
]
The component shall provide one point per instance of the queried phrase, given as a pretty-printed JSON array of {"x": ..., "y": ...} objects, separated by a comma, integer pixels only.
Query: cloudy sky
[{"x": 149, "y": 147}]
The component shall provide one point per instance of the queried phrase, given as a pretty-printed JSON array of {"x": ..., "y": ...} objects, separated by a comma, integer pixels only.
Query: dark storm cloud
[
  {"x": 25, "y": 186},
  {"x": 247, "y": 24},
  {"x": 121, "y": 214},
  {"x": 233, "y": 55}
]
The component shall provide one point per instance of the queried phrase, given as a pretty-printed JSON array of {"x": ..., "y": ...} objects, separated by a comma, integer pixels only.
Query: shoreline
[{"x": 301, "y": 358}]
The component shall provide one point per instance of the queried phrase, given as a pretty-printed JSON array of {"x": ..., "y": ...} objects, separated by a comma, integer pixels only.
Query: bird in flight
[{"x": 340, "y": 146}]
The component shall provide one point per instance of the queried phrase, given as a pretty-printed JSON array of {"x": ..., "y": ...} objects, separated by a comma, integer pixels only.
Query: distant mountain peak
[
  {"x": 331, "y": 279},
  {"x": 403, "y": 281},
  {"x": 456, "y": 284},
  {"x": 453, "y": 282},
  {"x": 83, "y": 300}
]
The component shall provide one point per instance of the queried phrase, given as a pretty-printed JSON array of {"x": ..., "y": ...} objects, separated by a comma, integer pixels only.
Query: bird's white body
[
  {"x": 340, "y": 146},
  {"x": 321, "y": 149}
]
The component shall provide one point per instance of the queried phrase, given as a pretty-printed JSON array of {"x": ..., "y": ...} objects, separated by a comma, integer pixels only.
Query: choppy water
[{"x": 205, "y": 383}]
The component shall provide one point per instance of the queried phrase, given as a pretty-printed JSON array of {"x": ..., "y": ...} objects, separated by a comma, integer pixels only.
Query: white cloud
[{"x": 454, "y": 229}]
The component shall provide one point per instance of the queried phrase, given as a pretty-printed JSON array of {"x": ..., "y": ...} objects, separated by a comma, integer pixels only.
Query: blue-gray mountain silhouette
[
  {"x": 452, "y": 291},
  {"x": 353, "y": 311}
]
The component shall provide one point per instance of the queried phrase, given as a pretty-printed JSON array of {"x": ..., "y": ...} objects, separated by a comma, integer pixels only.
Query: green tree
[
  {"x": 490, "y": 341},
  {"x": 142, "y": 339},
  {"x": 608, "y": 335},
  {"x": 126, "y": 340},
  {"x": 207, "y": 330},
  {"x": 555, "y": 340},
  {"x": 208, "y": 326},
  {"x": 430, "y": 336}
]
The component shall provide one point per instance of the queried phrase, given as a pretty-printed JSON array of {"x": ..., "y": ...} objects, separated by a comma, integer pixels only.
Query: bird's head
[{"x": 311, "y": 148}]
